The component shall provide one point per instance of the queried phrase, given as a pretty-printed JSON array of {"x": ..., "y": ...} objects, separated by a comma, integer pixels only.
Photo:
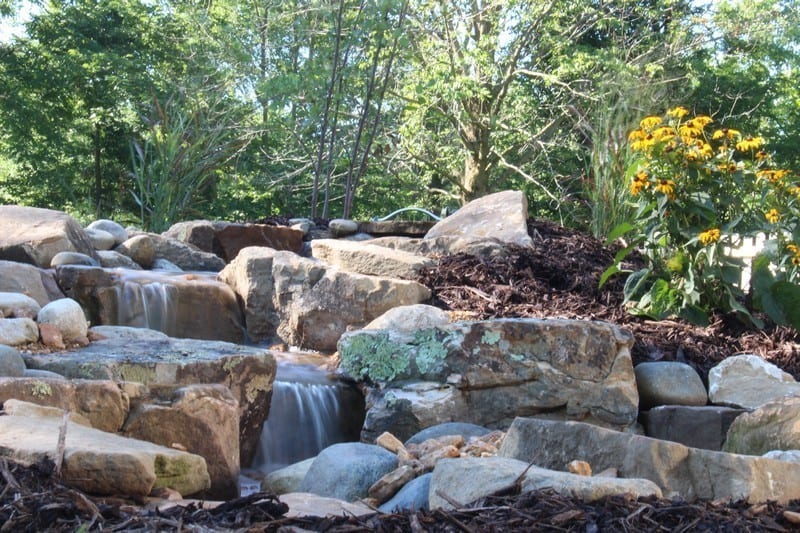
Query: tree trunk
[{"x": 98, "y": 177}]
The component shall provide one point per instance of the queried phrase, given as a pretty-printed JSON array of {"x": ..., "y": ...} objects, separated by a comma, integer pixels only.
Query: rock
[
  {"x": 364, "y": 258},
  {"x": 109, "y": 226},
  {"x": 41, "y": 374},
  {"x": 102, "y": 463},
  {"x": 247, "y": 371},
  {"x": 388, "y": 485},
  {"x": 347, "y": 470},
  {"x": 468, "y": 479},
  {"x": 497, "y": 219},
  {"x": 748, "y": 381},
  {"x": 185, "y": 305},
  {"x": 18, "y": 331},
  {"x": 678, "y": 470},
  {"x": 389, "y": 442},
  {"x": 67, "y": 315},
  {"x": 697, "y": 427},
  {"x": 167, "y": 266},
  {"x": 18, "y": 305},
  {"x": 11, "y": 363},
  {"x": 33, "y": 235},
  {"x": 669, "y": 383},
  {"x": 396, "y": 228},
  {"x": 488, "y": 372},
  {"x": 204, "y": 419},
  {"x": 27, "y": 280},
  {"x": 301, "y": 224},
  {"x": 267, "y": 282},
  {"x": 140, "y": 248},
  {"x": 128, "y": 333},
  {"x": 201, "y": 234},
  {"x": 580, "y": 468},
  {"x": 341, "y": 227},
  {"x": 412, "y": 497},
  {"x": 287, "y": 479},
  {"x": 234, "y": 237},
  {"x": 101, "y": 239},
  {"x": 185, "y": 256},
  {"x": 773, "y": 426},
  {"x": 14, "y": 407},
  {"x": 409, "y": 318},
  {"x": 101, "y": 402},
  {"x": 463, "y": 429},
  {"x": 306, "y": 504},
  {"x": 784, "y": 455},
  {"x": 340, "y": 300},
  {"x": 51, "y": 336},
  {"x": 112, "y": 259}
]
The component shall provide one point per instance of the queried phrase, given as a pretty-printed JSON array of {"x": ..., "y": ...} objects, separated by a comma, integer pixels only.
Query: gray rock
[
  {"x": 41, "y": 374},
  {"x": 116, "y": 230},
  {"x": 412, "y": 497},
  {"x": 365, "y": 258},
  {"x": 495, "y": 219},
  {"x": 464, "y": 429},
  {"x": 18, "y": 331},
  {"x": 18, "y": 305},
  {"x": 409, "y": 318},
  {"x": 307, "y": 504},
  {"x": 347, "y": 470},
  {"x": 695, "y": 426},
  {"x": 25, "y": 279},
  {"x": 72, "y": 258},
  {"x": 139, "y": 248},
  {"x": 129, "y": 333},
  {"x": 163, "y": 264},
  {"x": 33, "y": 235},
  {"x": 287, "y": 479},
  {"x": 773, "y": 426},
  {"x": 792, "y": 456},
  {"x": 467, "y": 479},
  {"x": 185, "y": 256},
  {"x": 67, "y": 315},
  {"x": 112, "y": 259},
  {"x": 101, "y": 239},
  {"x": 678, "y": 470},
  {"x": 11, "y": 362},
  {"x": 669, "y": 383},
  {"x": 341, "y": 227},
  {"x": 748, "y": 381}
]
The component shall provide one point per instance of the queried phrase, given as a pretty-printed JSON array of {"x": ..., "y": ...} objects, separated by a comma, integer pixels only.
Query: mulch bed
[{"x": 558, "y": 277}]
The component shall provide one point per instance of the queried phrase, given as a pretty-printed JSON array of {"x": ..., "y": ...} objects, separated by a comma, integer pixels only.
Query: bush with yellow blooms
[{"x": 698, "y": 189}]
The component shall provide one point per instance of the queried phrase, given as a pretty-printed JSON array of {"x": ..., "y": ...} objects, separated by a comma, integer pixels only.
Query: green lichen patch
[
  {"x": 374, "y": 357},
  {"x": 40, "y": 389},
  {"x": 490, "y": 337},
  {"x": 430, "y": 353}
]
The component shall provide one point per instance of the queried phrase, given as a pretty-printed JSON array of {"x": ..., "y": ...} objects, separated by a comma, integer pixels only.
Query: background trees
[{"x": 355, "y": 108}]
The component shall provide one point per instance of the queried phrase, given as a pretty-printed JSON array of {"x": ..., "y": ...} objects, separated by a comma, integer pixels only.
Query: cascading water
[
  {"x": 145, "y": 303},
  {"x": 309, "y": 412}
]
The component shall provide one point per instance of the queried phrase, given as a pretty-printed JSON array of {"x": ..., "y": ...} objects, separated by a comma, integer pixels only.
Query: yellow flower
[
  {"x": 796, "y": 261},
  {"x": 643, "y": 144},
  {"x": 772, "y": 216},
  {"x": 636, "y": 135},
  {"x": 678, "y": 112},
  {"x": 793, "y": 248},
  {"x": 702, "y": 120},
  {"x": 690, "y": 130},
  {"x": 709, "y": 236},
  {"x": 750, "y": 143},
  {"x": 772, "y": 175},
  {"x": 666, "y": 187},
  {"x": 762, "y": 155},
  {"x": 664, "y": 133},
  {"x": 727, "y": 134},
  {"x": 639, "y": 182},
  {"x": 648, "y": 123},
  {"x": 730, "y": 167}
]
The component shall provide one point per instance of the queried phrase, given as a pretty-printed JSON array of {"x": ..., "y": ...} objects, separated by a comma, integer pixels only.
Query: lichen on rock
[{"x": 372, "y": 355}]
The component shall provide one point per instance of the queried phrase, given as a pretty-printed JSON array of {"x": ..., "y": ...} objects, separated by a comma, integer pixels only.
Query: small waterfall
[
  {"x": 145, "y": 303},
  {"x": 308, "y": 412}
]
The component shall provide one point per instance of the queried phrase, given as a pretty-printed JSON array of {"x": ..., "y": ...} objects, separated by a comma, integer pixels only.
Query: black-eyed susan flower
[
  {"x": 772, "y": 216},
  {"x": 772, "y": 174},
  {"x": 678, "y": 112},
  {"x": 709, "y": 236},
  {"x": 728, "y": 134},
  {"x": 666, "y": 187},
  {"x": 762, "y": 155},
  {"x": 750, "y": 143},
  {"x": 648, "y": 123},
  {"x": 639, "y": 182}
]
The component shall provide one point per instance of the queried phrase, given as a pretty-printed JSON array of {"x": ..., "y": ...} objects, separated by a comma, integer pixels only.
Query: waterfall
[
  {"x": 308, "y": 412},
  {"x": 145, "y": 303}
]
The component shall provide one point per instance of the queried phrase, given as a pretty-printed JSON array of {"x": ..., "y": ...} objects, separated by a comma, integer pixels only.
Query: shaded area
[{"x": 559, "y": 277}]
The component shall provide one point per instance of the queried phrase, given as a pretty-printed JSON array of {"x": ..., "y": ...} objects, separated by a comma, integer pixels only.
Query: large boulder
[
  {"x": 694, "y": 426},
  {"x": 268, "y": 282},
  {"x": 66, "y": 315},
  {"x": 247, "y": 371},
  {"x": 103, "y": 403},
  {"x": 227, "y": 239},
  {"x": 342, "y": 300},
  {"x": 773, "y": 426},
  {"x": 179, "y": 304},
  {"x": 18, "y": 331},
  {"x": 28, "y": 280},
  {"x": 114, "y": 229},
  {"x": 11, "y": 363},
  {"x": 183, "y": 255},
  {"x": 33, "y": 235},
  {"x": 410, "y": 318},
  {"x": 102, "y": 463},
  {"x": 489, "y": 372},
  {"x": 467, "y": 479},
  {"x": 678, "y": 470},
  {"x": 203, "y": 419},
  {"x": 365, "y": 258},
  {"x": 748, "y": 381},
  {"x": 669, "y": 383},
  {"x": 18, "y": 305},
  {"x": 492, "y": 221},
  {"x": 347, "y": 470}
]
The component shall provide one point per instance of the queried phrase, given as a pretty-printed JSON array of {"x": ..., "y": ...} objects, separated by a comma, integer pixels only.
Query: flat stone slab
[
  {"x": 102, "y": 463},
  {"x": 247, "y": 371}
]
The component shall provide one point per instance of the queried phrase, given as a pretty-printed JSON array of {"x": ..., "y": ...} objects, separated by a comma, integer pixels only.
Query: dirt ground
[{"x": 557, "y": 278}]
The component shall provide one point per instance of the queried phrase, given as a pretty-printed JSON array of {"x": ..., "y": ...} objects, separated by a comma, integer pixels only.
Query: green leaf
[
  {"x": 787, "y": 296},
  {"x": 694, "y": 314},
  {"x": 634, "y": 285},
  {"x": 620, "y": 230}
]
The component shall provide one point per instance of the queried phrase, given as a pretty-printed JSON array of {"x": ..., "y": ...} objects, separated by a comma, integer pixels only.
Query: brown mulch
[{"x": 559, "y": 277}]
